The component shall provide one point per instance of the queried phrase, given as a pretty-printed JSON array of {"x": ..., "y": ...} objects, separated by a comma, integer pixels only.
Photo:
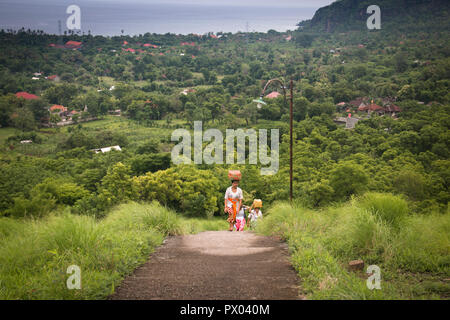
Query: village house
[
  {"x": 60, "y": 110},
  {"x": 73, "y": 45},
  {"x": 107, "y": 149},
  {"x": 186, "y": 91},
  {"x": 358, "y": 102},
  {"x": 72, "y": 113},
  {"x": 341, "y": 105},
  {"x": 26, "y": 95},
  {"x": 36, "y": 76},
  {"x": 372, "y": 107},
  {"x": 116, "y": 112},
  {"x": 53, "y": 78},
  {"x": 392, "y": 109},
  {"x": 348, "y": 121},
  {"x": 149, "y": 45},
  {"x": 273, "y": 95},
  {"x": 362, "y": 104}
]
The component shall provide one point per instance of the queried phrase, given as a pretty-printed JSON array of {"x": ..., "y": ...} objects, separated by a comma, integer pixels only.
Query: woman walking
[{"x": 233, "y": 198}]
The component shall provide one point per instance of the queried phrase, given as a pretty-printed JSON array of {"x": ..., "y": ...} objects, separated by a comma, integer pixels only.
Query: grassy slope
[
  {"x": 35, "y": 254},
  {"x": 413, "y": 252}
]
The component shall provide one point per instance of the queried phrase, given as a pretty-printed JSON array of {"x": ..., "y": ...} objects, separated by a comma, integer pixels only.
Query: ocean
[{"x": 110, "y": 18}]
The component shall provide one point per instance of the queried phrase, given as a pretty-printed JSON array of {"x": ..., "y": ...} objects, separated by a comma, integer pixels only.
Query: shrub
[
  {"x": 388, "y": 207},
  {"x": 410, "y": 183},
  {"x": 142, "y": 164},
  {"x": 38, "y": 206},
  {"x": 348, "y": 178},
  {"x": 62, "y": 191},
  {"x": 187, "y": 189},
  {"x": 319, "y": 193}
]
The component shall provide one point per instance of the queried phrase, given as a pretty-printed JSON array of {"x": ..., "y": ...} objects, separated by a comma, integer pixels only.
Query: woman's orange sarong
[{"x": 232, "y": 213}]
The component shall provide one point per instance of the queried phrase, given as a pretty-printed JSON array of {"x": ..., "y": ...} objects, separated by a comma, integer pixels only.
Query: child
[
  {"x": 255, "y": 214},
  {"x": 240, "y": 220}
]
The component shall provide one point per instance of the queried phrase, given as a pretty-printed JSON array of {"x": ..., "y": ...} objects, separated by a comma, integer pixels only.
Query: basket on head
[
  {"x": 257, "y": 203},
  {"x": 234, "y": 175}
]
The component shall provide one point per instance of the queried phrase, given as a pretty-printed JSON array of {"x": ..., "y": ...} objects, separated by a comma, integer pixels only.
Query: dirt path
[{"x": 205, "y": 267}]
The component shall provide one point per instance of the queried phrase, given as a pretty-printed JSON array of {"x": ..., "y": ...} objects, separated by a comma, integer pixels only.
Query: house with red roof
[
  {"x": 358, "y": 102},
  {"x": 272, "y": 95},
  {"x": 58, "y": 46},
  {"x": 392, "y": 109},
  {"x": 53, "y": 78},
  {"x": 61, "y": 110},
  {"x": 149, "y": 45},
  {"x": 26, "y": 95},
  {"x": 58, "y": 107},
  {"x": 372, "y": 108},
  {"x": 73, "y": 44}
]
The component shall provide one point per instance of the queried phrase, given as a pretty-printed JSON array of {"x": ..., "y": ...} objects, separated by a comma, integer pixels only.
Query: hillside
[
  {"x": 370, "y": 151},
  {"x": 396, "y": 16}
]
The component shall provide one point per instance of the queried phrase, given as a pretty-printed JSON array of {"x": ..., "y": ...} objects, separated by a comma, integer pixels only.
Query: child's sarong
[{"x": 240, "y": 224}]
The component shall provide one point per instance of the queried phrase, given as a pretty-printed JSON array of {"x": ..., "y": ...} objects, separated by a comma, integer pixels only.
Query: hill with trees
[{"x": 396, "y": 15}]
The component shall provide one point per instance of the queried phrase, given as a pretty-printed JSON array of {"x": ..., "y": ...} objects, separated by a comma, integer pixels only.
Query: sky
[{"x": 284, "y": 3}]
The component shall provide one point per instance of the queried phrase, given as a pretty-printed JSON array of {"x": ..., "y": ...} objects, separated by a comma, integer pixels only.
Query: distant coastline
[{"x": 140, "y": 18}]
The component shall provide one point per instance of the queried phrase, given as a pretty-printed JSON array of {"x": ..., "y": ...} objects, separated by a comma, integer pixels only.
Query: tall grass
[
  {"x": 376, "y": 228},
  {"x": 388, "y": 207},
  {"x": 35, "y": 254}
]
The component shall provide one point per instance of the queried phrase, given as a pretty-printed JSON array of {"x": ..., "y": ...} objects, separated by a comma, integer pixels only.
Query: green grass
[
  {"x": 5, "y": 133},
  {"x": 413, "y": 252},
  {"x": 35, "y": 254}
]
